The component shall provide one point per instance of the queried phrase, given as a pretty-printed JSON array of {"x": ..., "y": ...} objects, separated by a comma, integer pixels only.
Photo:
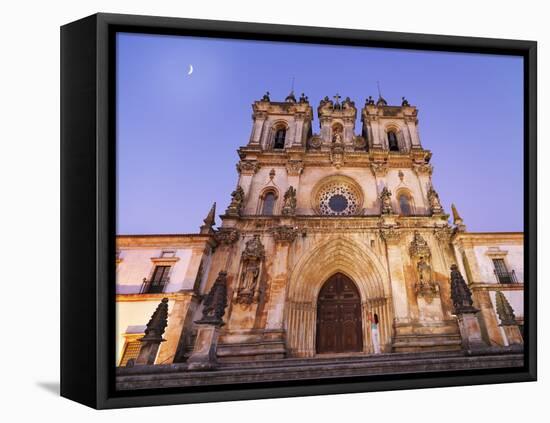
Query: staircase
[{"x": 320, "y": 367}]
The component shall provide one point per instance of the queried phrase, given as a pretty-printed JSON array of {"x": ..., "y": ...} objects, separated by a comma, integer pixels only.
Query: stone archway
[
  {"x": 339, "y": 325},
  {"x": 354, "y": 259}
]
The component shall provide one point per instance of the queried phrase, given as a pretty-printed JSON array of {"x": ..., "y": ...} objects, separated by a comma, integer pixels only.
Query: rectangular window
[
  {"x": 131, "y": 351},
  {"x": 158, "y": 281},
  {"x": 501, "y": 272}
]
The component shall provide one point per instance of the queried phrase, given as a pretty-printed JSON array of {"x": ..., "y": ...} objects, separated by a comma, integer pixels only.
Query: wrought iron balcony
[
  {"x": 152, "y": 287},
  {"x": 504, "y": 276}
]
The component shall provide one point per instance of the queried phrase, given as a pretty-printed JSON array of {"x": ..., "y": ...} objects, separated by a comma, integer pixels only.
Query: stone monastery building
[{"x": 329, "y": 229}]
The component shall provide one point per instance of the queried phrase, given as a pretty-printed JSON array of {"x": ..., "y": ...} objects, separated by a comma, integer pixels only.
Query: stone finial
[
  {"x": 385, "y": 201},
  {"x": 237, "y": 200},
  {"x": 433, "y": 200},
  {"x": 157, "y": 324},
  {"x": 304, "y": 98},
  {"x": 505, "y": 310},
  {"x": 460, "y": 293},
  {"x": 381, "y": 101},
  {"x": 215, "y": 302},
  {"x": 291, "y": 98},
  {"x": 457, "y": 220},
  {"x": 289, "y": 202},
  {"x": 369, "y": 101},
  {"x": 209, "y": 221}
]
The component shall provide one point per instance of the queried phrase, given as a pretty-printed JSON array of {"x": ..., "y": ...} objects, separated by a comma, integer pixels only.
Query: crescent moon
[{"x": 190, "y": 70}]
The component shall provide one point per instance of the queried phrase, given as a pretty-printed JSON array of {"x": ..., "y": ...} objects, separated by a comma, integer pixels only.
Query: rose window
[{"x": 338, "y": 199}]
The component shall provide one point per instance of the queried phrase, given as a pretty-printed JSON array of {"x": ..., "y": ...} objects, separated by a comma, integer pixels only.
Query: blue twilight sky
[{"x": 177, "y": 134}]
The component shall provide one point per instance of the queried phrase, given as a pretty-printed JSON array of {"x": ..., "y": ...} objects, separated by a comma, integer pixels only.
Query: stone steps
[
  {"x": 428, "y": 342},
  {"x": 177, "y": 375}
]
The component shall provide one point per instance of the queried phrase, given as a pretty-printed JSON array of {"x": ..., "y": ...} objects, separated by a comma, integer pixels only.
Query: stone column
[
  {"x": 284, "y": 236},
  {"x": 487, "y": 314},
  {"x": 259, "y": 120},
  {"x": 468, "y": 324},
  {"x": 150, "y": 343},
  {"x": 204, "y": 356},
  {"x": 508, "y": 320},
  {"x": 411, "y": 125},
  {"x": 247, "y": 169},
  {"x": 397, "y": 277}
]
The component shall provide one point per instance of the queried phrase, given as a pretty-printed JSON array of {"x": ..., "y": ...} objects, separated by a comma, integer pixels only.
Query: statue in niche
[
  {"x": 425, "y": 287},
  {"x": 249, "y": 277},
  {"x": 424, "y": 271},
  {"x": 251, "y": 268},
  {"x": 337, "y": 138},
  {"x": 385, "y": 201},
  {"x": 289, "y": 202}
]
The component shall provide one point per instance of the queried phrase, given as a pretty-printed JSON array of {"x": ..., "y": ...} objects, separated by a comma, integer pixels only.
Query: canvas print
[{"x": 292, "y": 212}]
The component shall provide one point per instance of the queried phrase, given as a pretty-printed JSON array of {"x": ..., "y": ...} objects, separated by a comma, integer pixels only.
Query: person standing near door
[{"x": 374, "y": 334}]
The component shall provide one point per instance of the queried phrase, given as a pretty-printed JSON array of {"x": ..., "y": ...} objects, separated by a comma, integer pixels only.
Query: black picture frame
[{"x": 88, "y": 207}]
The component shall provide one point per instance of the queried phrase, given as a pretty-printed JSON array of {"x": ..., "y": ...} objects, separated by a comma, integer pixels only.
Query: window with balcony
[
  {"x": 158, "y": 281},
  {"x": 502, "y": 273}
]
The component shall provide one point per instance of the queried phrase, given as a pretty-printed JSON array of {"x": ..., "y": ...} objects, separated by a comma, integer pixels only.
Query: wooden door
[{"x": 339, "y": 327}]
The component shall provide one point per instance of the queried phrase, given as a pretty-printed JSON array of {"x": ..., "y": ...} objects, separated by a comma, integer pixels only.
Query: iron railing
[
  {"x": 504, "y": 276},
  {"x": 152, "y": 287}
]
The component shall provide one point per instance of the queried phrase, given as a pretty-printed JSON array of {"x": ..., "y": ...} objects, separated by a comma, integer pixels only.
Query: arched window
[
  {"x": 279, "y": 142},
  {"x": 268, "y": 204},
  {"x": 392, "y": 141},
  {"x": 405, "y": 205}
]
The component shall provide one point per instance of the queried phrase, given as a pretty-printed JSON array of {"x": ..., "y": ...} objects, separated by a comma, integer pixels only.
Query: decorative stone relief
[
  {"x": 390, "y": 234},
  {"x": 284, "y": 233},
  {"x": 379, "y": 168},
  {"x": 237, "y": 200},
  {"x": 422, "y": 168},
  {"x": 248, "y": 167},
  {"x": 443, "y": 235},
  {"x": 359, "y": 142},
  {"x": 294, "y": 167},
  {"x": 315, "y": 142},
  {"x": 227, "y": 236},
  {"x": 248, "y": 289},
  {"x": 289, "y": 202}
]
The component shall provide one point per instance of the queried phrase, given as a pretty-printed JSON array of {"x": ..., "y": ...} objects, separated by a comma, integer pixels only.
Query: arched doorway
[{"x": 339, "y": 326}]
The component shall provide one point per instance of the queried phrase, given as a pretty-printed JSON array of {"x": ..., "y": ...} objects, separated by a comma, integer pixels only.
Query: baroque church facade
[{"x": 327, "y": 232}]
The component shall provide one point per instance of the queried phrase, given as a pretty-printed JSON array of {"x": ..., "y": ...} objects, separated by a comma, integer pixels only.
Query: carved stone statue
[
  {"x": 385, "y": 201},
  {"x": 215, "y": 302},
  {"x": 303, "y": 98},
  {"x": 404, "y": 102},
  {"x": 237, "y": 199},
  {"x": 337, "y": 139},
  {"x": 266, "y": 96},
  {"x": 249, "y": 277},
  {"x": 252, "y": 258},
  {"x": 424, "y": 271},
  {"x": 370, "y": 101},
  {"x": 289, "y": 202},
  {"x": 425, "y": 286},
  {"x": 433, "y": 199}
]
